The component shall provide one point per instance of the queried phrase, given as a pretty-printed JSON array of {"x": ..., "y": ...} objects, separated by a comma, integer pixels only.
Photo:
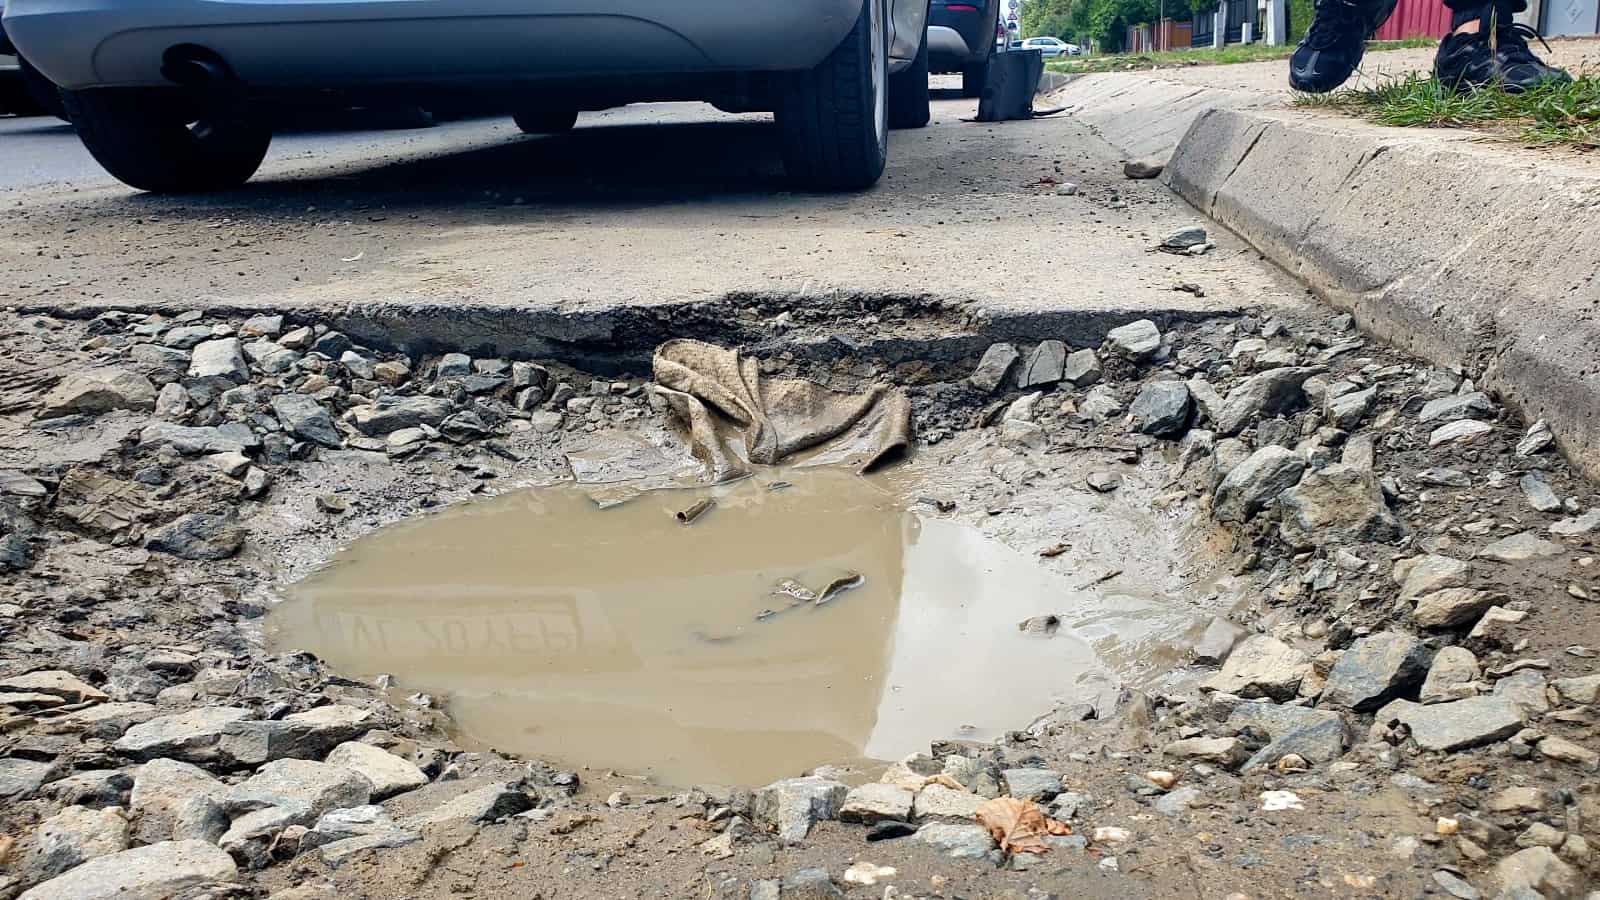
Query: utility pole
[{"x": 1161, "y": 27}]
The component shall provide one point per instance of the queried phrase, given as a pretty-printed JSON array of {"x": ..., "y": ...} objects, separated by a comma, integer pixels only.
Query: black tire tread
[
  {"x": 545, "y": 121},
  {"x": 908, "y": 92},
  {"x": 825, "y": 118},
  {"x": 128, "y": 134}
]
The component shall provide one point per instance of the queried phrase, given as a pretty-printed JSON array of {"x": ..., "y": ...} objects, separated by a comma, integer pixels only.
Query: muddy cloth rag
[{"x": 725, "y": 402}]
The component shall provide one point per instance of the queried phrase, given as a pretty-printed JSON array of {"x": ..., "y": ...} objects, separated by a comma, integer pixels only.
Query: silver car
[{"x": 172, "y": 95}]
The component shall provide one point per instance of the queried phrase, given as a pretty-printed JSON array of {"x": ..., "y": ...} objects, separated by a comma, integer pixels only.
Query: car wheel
[
  {"x": 546, "y": 121},
  {"x": 908, "y": 92},
  {"x": 41, "y": 89},
  {"x": 974, "y": 77},
  {"x": 834, "y": 119},
  {"x": 147, "y": 141}
]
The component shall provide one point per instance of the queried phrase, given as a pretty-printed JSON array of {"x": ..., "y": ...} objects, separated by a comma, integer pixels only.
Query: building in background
[{"x": 1250, "y": 20}]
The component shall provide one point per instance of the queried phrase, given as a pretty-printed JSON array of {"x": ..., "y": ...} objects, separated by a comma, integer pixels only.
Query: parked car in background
[
  {"x": 23, "y": 91},
  {"x": 178, "y": 95},
  {"x": 962, "y": 38},
  {"x": 1050, "y": 47}
]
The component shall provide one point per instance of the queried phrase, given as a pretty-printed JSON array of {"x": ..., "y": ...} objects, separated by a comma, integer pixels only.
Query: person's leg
[
  {"x": 1485, "y": 47},
  {"x": 1334, "y": 43}
]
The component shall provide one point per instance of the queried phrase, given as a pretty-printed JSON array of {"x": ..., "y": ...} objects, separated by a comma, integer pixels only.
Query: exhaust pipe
[{"x": 191, "y": 66}]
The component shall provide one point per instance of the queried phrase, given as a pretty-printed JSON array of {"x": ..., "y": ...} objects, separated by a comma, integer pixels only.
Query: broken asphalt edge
[{"x": 1465, "y": 253}]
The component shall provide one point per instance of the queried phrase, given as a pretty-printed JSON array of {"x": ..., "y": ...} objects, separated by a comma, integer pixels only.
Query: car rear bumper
[
  {"x": 959, "y": 34},
  {"x": 330, "y": 43}
]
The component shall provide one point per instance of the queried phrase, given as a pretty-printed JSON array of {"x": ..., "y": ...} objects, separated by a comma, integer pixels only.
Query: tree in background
[{"x": 1105, "y": 22}]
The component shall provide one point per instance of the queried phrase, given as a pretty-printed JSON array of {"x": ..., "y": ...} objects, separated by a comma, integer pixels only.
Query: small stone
[
  {"x": 1271, "y": 393},
  {"x": 1227, "y": 752},
  {"x": 1251, "y": 485},
  {"x": 810, "y": 884},
  {"x": 1577, "y": 526},
  {"x": 1103, "y": 482},
  {"x": 1526, "y": 689},
  {"x": 1538, "y": 439},
  {"x": 1177, "y": 802},
  {"x": 1032, "y": 784},
  {"x": 1584, "y": 690},
  {"x": 1217, "y": 642},
  {"x": 1337, "y": 504},
  {"x": 1082, "y": 368},
  {"x": 1522, "y": 547},
  {"x": 1474, "y": 405},
  {"x": 791, "y": 807},
  {"x": 222, "y": 358},
  {"x": 1456, "y": 725},
  {"x": 1138, "y": 340},
  {"x": 264, "y": 325},
  {"x": 1440, "y": 477},
  {"x": 939, "y": 802},
  {"x": 1455, "y": 886},
  {"x": 486, "y": 804},
  {"x": 1184, "y": 238},
  {"x": 302, "y": 735},
  {"x": 1539, "y": 494},
  {"x": 166, "y": 869},
  {"x": 957, "y": 841},
  {"x": 1099, "y": 405},
  {"x": 304, "y": 417},
  {"x": 1451, "y": 607},
  {"x": 875, "y": 802},
  {"x": 1495, "y": 627},
  {"x": 54, "y": 682},
  {"x": 1465, "y": 431},
  {"x": 1375, "y": 669},
  {"x": 1161, "y": 409},
  {"x": 1538, "y": 869},
  {"x": 1451, "y": 676},
  {"x": 198, "y": 536},
  {"x": 390, "y": 413},
  {"x": 997, "y": 363},
  {"x": 98, "y": 391},
  {"x": 1044, "y": 367},
  {"x": 1346, "y": 412},
  {"x": 1563, "y": 750},
  {"x": 1261, "y": 666},
  {"x": 1139, "y": 169}
]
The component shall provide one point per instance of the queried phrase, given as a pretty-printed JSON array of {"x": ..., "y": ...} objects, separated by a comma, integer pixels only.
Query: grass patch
[
  {"x": 1207, "y": 56},
  {"x": 1558, "y": 114}
]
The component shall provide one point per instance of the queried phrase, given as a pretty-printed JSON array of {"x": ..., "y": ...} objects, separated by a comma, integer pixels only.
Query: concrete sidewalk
[{"x": 1473, "y": 252}]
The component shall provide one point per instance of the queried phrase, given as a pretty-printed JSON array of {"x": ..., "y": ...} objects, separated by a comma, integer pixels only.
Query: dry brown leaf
[
  {"x": 1019, "y": 825},
  {"x": 6, "y": 843},
  {"x": 1058, "y": 827}
]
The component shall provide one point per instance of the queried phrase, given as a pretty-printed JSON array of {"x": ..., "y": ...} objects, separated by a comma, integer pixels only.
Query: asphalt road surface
[{"x": 647, "y": 204}]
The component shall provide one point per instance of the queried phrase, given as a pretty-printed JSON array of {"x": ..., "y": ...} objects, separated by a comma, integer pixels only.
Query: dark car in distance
[{"x": 961, "y": 38}]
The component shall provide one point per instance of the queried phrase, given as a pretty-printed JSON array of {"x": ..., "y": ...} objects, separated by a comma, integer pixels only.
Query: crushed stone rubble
[{"x": 1420, "y": 633}]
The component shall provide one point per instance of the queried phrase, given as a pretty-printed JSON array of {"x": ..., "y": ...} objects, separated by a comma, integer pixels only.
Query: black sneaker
[
  {"x": 1334, "y": 43},
  {"x": 1496, "y": 54}
]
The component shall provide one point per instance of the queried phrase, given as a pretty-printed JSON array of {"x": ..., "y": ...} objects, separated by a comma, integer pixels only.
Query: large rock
[
  {"x": 875, "y": 802},
  {"x": 792, "y": 806},
  {"x": 1346, "y": 411},
  {"x": 221, "y": 358},
  {"x": 191, "y": 736},
  {"x": 76, "y": 835},
  {"x": 1456, "y": 725},
  {"x": 1539, "y": 869},
  {"x": 1082, "y": 368},
  {"x": 936, "y": 801},
  {"x": 1138, "y": 340},
  {"x": 1256, "y": 482},
  {"x": 189, "y": 440},
  {"x": 957, "y": 841},
  {"x": 157, "y": 872},
  {"x": 98, "y": 391},
  {"x": 1420, "y": 575},
  {"x": 1336, "y": 505},
  {"x": 1316, "y": 735},
  {"x": 306, "y": 418},
  {"x": 1227, "y": 752},
  {"x": 198, "y": 536},
  {"x": 22, "y": 778},
  {"x": 390, "y": 413},
  {"x": 55, "y": 682},
  {"x": 1452, "y": 607},
  {"x": 1032, "y": 784},
  {"x": 351, "y": 822},
  {"x": 486, "y": 804},
  {"x": 1261, "y": 666},
  {"x": 302, "y": 735},
  {"x": 1161, "y": 408},
  {"x": 168, "y": 796},
  {"x": 1045, "y": 365},
  {"x": 1465, "y": 431},
  {"x": 388, "y": 773},
  {"x": 1374, "y": 670},
  {"x": 311, "y": 788},
  {"x": 1474, "y": 405},
  {"x": 1521, "y": 547},
  {"x": 106, "y": 721},
  {"x": 1451, "y": 676},
  {"x": 1271, "y": 393},
  {"x": 997, "y": 363}
]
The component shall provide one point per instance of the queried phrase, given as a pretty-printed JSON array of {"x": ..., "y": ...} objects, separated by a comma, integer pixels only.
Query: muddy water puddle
[{"x": 619, "y": 637}]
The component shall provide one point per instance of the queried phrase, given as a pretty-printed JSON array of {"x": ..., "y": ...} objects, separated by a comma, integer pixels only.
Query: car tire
[
  {"x": 975, "y": 76},
  {"x": 147, "y": 142},
  {"x": 546, "y": 121},
  {"x": 833, "y": 120},
  {"x": 43, "y": 92},
  {"x": 908, "y": 92}
]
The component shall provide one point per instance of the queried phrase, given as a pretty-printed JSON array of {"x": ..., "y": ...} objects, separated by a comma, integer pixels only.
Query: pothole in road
[{"x": 615, "y": 636}]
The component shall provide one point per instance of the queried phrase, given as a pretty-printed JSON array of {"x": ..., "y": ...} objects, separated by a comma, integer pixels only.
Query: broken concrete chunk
[
  {"x": 157, "y": 872},
  {"x": 876, "y": 802},
  {"x": 1044, "y": 367},
  {"x": 1256, "y": 482},
  {"x": 98, "y": 391},
  {"x": 1138, "y": 340},
  {"x": 388, "y": 773},
  {"x": 1261, "y": 666},
  {"x": 1375, "y": 669},
  {"x": 1456, "y": 725},
  {"x": 1337, "y": 504},
  {"x": 190, "y": 736}
]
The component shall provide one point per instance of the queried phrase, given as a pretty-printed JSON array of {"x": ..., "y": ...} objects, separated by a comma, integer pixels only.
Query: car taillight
[{"x": 961, "y": 7}]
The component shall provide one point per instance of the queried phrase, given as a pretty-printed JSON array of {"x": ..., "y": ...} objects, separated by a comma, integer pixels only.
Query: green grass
[
  {"x": 1555, "y": 114},
  {"x": 1229, "y": 55}
]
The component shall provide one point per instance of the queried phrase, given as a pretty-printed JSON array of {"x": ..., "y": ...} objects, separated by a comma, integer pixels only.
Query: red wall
[{"x": 1416, "y": 18}]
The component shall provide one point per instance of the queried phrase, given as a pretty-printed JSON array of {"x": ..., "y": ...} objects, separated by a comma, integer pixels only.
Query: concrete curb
[{"x": 1468, "y": 254}]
